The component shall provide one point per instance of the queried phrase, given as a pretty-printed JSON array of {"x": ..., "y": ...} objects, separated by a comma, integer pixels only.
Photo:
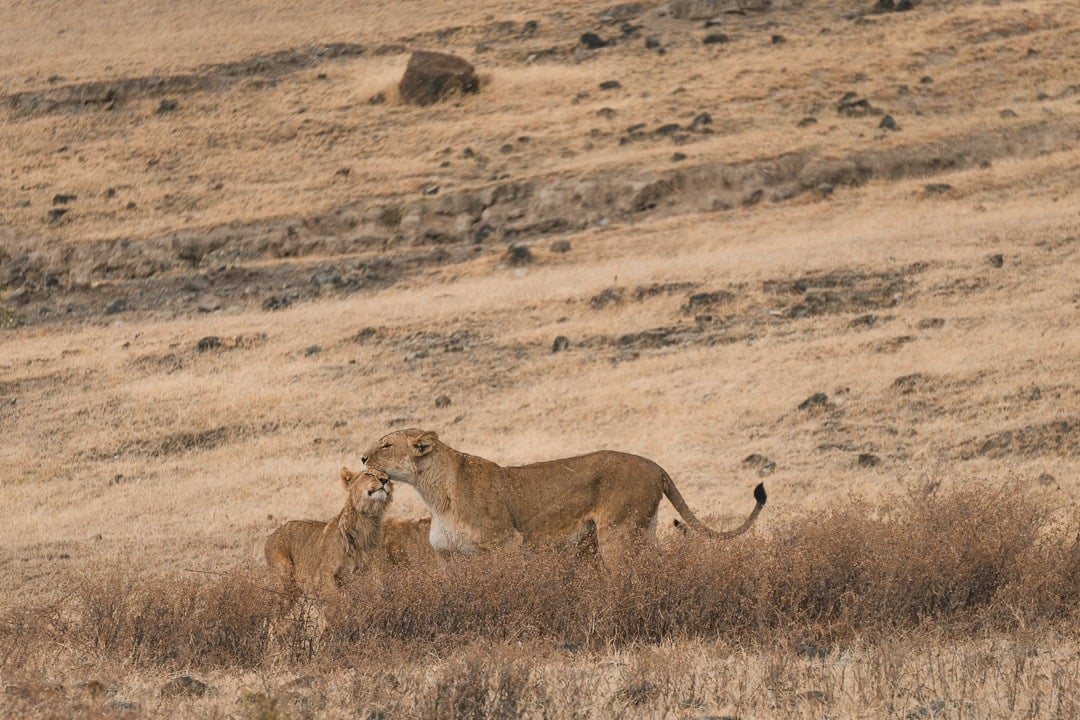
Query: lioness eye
[{"x": 385, "y": 446}]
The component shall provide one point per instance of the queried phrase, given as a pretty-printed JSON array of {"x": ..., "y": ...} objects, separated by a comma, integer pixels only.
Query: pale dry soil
[{"x": 919, "y": 289}]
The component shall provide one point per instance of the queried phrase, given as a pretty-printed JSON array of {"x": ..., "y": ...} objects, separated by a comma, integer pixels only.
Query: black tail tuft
[{"x": 759, "y": 494}]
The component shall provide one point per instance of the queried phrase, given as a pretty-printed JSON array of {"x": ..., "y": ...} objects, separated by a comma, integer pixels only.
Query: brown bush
[{"x": 966, "y": 561}]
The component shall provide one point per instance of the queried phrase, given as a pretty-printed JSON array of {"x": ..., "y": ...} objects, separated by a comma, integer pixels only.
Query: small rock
[
  {"x": 116, "y": 306},
  {"x": 884, "y": 6},
  {"x": 210, "y": 342},
  {"x": 321, "y": 76},
  {"x": 429, "y": 188},
  {"x": 926, "y": 80},
  {"x": 668, "y": 129},
  {"x": 593, "y": 41},
  {"x": 700, "y": 120},
  {"x": 678, "y": 157},
  {"x": 312, "y": 350},
  {"x": 807, "y": 121},
  {"x": 937, "y": 188},
  {"x": 343, "y": 172},
  {"x": 22, "y": 203},
  {"x": 904, "y": 5},
  {"x": 825, "y": 189},
  {"x": 377, "y": 99},
  {"x": 63, "y": 198},
  {"x": 51, "y": 280},
  {"x": 364, "y": 335},
  {"x": 506, "y": 149},
  {"x": 167, "y": 105},
  {"x": 817, "y": 400},
  {"x": 611, "y": 85},
  {"x": 1046, "y": 479},
  {"x": 276, "y": 302},
  {"x": 560, "y": 246},
  {"x": 778, "y": 39},
  {"x": 906, "y": 384},
  {"x": 888, "y": 123},
  {"x": 606, "y": 113},
  {"x": 443, "y": 401},
  {"x": 55, "y": 214},
  {"x": 715, "y": 38},
  {"x": 996, "y": 260},
  {"x": 434, "y": 76},
  {"x": 518, "y": 255},
  {"x": 868, "y": 460},
  {"x": 184, "y": 685},
  {"x": 866, "y": 321},
  {"x": 1007, "y": 113},
  {"x": 561, "y": 343},
  {"x": 651, "y": 43}
]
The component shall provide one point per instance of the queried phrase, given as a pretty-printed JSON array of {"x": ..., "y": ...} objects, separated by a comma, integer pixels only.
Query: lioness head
[
  {"x": 369, "y": 490},
  {"x": 401, "y": 454}
]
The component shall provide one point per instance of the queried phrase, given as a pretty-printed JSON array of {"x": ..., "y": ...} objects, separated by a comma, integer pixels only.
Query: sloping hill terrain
[{"x": 834, "y": 245}]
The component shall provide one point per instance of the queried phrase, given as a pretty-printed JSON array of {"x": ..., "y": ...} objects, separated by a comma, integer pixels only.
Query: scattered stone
[
  {"x": 51, "y": 280},
  {"x": 611, "y": 85},
  {"x": 864, "y": 321},
  {"x": 937, "y": 188},
  {"x": 506, "y": 149},
  {"x": 1007, "y": 113},
  {"x": 55, "y": 214},
  {"x": 63, "y": 198},
  {"x": 926, "y": 80},
  {"x": 560, "y": 246},
  {"x": 608, "y": 296},
  {"x": 852, "y": 105},
  {"x": 167, "y": 105},
  {"x": 678, "y": 157},
  {"x": 868, "y": 460},
  {"x": 593, "y": 41},
  {"x": 904, "y": 5},
  {"x": 434, "y": 76},
  {"x": 1046, "y": 479},
  {"x": 518, "y": 255},
  {"x": 276, "y": 302},
  {"x": 629, "y": 29},
  {"x": 817, "y": 400},
  {"x": 184, "y": 685},
  {"x": 312, "y": 350},
  {"x": 377, "y": 99},
  {"x": 778, "y": 39},
  {"x": 483, "y": 233},
  {"x": 884, "y": 6},
  {"x": 443, "y": 401},
  {"x": 906, "y": 384},
  {"x": 652, "y": 42},
  {"x": 606, "y": 112},
  {"x": 364, "y": 335},
  {"x": 429, "y": 188},
  {"x": 997, "y": 260},
  {"x": 667, "y": 129},
  {"x": 807, "y": 121},
  {"x": 343, "y": 172},
  {"x": 210, "y": 342},
  {"x": 888, "y": 123},
  {"x": 825, "y": 189},
  {"x": 715, "y": 38},
  {"x": 529, "y": 28},
  {"x": 700, "y": 120},
  {"x": 116, "y": 306},
  {"x": 561, "y": 343},
  {"x": 22, "y": 203},
  {"x": 931, "y": 323}
]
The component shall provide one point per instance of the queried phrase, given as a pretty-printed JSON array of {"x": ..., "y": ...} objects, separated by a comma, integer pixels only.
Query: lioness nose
[{"x": 363, "y": 459}]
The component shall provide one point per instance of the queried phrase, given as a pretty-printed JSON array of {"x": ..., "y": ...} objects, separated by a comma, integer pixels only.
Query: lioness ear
[
  {"x": 422, "y": 444},
  {"x": 347, "y": 476}
]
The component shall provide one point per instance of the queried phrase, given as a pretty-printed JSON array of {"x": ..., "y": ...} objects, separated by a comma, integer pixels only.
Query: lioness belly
[{"x": 445, "y": 538}]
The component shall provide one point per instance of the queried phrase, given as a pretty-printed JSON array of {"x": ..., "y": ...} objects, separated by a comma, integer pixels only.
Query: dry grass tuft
[{"x": 966, "y": 561}]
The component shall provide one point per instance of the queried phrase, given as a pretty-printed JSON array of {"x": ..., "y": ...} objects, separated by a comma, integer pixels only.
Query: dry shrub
[{"x": 965, "y": 561}]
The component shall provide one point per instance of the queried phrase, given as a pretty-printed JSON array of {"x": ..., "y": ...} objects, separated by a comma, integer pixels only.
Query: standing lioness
[{"x": 476, "y": 504}]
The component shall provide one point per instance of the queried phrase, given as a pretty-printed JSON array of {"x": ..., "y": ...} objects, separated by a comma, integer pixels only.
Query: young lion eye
[{"x": 385, "y": 446}]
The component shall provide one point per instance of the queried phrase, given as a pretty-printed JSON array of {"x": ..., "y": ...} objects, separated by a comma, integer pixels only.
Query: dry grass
[{"x": 937, "y": 570}]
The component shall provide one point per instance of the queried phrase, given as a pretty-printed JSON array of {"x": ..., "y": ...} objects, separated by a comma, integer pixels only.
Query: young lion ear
[
  {"x": 423, "y": 444},
  {"x": 347, "y": 476}
]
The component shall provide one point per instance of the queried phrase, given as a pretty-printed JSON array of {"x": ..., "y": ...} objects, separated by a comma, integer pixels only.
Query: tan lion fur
[
  {"x": 315, "y": 557},
  {"x": 476, "y": 504}
]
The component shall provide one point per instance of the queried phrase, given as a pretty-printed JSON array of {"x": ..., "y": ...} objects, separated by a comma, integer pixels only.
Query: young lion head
[
  {"x": 403, "y": 454},
  {"x": 370, "y": 490}
]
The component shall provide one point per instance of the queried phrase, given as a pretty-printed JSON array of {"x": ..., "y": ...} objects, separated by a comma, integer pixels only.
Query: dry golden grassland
[{"x": 248, "y": 289}]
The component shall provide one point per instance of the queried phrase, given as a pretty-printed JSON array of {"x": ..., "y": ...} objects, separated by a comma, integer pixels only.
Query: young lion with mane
[{"x": 316, "y": 557}]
